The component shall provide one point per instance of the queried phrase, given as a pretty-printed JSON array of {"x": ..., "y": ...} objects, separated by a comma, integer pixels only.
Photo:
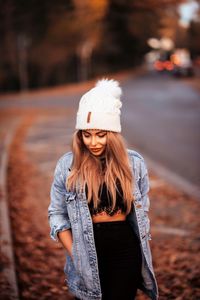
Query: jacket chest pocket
[
  {"x": 71, "y": 203},
  {"x": 139, "y": 206}
]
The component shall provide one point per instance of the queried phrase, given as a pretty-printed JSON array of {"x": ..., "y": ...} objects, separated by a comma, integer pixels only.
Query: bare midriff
[{"x": 103, "y": 217}]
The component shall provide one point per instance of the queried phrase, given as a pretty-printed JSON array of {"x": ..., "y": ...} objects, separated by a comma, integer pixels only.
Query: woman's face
[{"x": 95, "y": 140}]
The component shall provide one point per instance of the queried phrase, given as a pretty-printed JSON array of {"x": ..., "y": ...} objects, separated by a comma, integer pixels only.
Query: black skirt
[{"x": 119, "y": 259}]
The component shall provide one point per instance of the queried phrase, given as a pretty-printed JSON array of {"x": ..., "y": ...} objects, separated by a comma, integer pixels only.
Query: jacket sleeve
[
  {"x": 57, "y": 210},
  {"x": 144, "y": 189}
]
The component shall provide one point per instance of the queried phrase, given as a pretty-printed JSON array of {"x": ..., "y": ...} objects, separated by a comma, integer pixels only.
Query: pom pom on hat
[
  {"x": 111, "y": 86},
  {"x": 99, "y": 108}
]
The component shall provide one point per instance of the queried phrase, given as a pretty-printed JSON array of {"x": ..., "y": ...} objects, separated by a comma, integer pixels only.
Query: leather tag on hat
[{"x": 89, "y": 116}]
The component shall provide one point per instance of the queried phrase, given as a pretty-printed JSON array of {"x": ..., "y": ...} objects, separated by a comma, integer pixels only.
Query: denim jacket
[{"x": 69, "y": 210}]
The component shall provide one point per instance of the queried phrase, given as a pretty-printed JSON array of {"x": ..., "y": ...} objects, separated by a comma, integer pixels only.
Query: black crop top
[{"x": 106, "y": 204}]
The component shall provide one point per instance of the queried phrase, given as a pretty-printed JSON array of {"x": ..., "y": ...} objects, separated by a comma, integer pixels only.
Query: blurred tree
[
  {"x": 47, "y": 43},
  {"x": 169, "y": 23},
  {"x": 182, "y": 35},
  {"x": 23, "y": 33},
  {"x": 8, "y": 62},
  {"x": 127, "y": 26},
  {"x": 91, "y": 33},
  {"x": 80, "y": 32},
  {"x": 154, "y": 4},
  {"x": 194, "y": 36}
]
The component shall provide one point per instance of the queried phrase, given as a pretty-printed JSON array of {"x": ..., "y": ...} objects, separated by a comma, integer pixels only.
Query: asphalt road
[{"x": 160, "y": 118}]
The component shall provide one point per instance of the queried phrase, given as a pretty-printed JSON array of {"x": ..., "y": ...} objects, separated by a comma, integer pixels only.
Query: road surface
[{"x": 160, "y": 118}]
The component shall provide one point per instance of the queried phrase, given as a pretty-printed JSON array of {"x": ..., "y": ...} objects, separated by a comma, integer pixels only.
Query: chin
[{"x": 96, "y": 154}]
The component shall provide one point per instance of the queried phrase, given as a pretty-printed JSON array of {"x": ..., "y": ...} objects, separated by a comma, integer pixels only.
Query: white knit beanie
[{"x": 100, "y": 107}]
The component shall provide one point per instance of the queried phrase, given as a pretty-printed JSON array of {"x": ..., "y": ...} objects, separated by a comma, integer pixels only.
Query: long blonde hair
[{"x": 87, "y": 169}]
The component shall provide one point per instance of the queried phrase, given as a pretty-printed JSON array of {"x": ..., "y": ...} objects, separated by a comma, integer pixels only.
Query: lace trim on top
[
  {"x": 106, "y": 211},
  {"x": 105, "y": 207}
]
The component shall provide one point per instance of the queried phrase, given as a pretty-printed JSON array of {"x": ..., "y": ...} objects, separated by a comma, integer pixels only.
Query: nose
[{"x": 93, "y": 141}]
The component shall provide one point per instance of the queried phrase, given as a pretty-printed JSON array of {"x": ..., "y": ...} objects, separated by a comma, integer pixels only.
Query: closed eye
[
  {"x": 86, "y": 135},
  {"x": 101, "y": 135}
]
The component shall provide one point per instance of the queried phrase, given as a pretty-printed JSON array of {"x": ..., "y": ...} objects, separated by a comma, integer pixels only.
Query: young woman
[{"x": 99, "y": 205}]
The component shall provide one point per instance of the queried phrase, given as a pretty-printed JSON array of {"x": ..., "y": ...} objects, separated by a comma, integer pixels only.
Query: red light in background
[
  {"x": 158, "y": 65},
  {"x": 163, "y": 65}
]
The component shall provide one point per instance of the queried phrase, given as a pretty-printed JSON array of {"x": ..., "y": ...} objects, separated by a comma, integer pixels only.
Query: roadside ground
[{"x": 40, "y": 137}]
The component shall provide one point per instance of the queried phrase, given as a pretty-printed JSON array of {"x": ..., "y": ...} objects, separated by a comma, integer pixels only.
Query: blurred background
[
  {"x": 51, "y": 52},
  {"x": 45, "y": 44}
]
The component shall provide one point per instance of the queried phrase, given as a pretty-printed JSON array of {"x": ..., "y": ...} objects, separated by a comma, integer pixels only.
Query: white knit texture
[{"x": 103, "y": 103}]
